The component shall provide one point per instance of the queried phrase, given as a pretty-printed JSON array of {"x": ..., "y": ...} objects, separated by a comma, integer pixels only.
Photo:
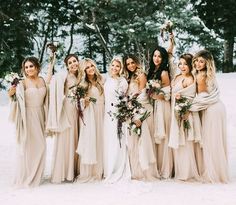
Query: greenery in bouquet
[
  {"x": 78, "y": 92},
  {"x": 182, "y": 106}
]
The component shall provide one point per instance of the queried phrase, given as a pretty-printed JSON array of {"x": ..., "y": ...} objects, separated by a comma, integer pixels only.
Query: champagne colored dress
[
  {"x": 181, "y": 140},
  {"x": 141, "y": 149},
  {"x": 65, "y": 159},
  {"x": 90, "y": 145},
  {"x": 214, "y": 134},
  {"x": 31, "y": 162}
]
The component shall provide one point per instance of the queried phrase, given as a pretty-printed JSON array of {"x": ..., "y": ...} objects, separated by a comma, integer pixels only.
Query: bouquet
[
  {"x": 182, "y": 106},
  {"x": 154, "y": 87},
  {"x": 53, "y": 47},
  {"x": 77, "y": 93},
  {"x": 127, "y": 108},
  {"x": 137, "y": 130},
  {"x": 13, "y": 79},
  {"x": 167, "y": 27}
]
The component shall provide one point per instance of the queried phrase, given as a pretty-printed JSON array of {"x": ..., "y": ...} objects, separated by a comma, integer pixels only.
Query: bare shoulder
[
  {"x": 201, "y": 77},
  {"x": 190, "y": 79},
  {"x": 165, "y": 78},
  {"x": 142, "y": 75}
]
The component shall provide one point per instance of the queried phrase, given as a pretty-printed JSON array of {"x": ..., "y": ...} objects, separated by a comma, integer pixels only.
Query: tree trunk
[
  {"x": 228, "y": 53},
  {"x": 71, "y": 39},
  {"x": 104, "y": 61},
  {"x": 90, "y": 46},
  {"x": 44, "y": 44}
]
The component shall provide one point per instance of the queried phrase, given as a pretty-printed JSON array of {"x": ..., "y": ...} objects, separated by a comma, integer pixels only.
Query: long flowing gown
[
  {"x": 90, "y": 145},
  {"x": 116, "y": 159},
  {"x": 65, "y": 161},
  {"x": 141, "y": 149},
  {"x": 214, "y": 135},
  {"x": 183, "y": 141},
  {"x": 30, "y": 164},
  {"x": 164, "y": 154}
]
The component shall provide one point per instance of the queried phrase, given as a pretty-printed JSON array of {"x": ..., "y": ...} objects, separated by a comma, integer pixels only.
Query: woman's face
[
  {"x": 115, "y": 68},
  {"x": 157, "y": 59},
  {"x": 30, "y": 69},
  {"x": 90, "y": 69},
  {"x": 200, "y": 63},
  {"x": 73, "y": 65},
  {"x": 131, "y": 65},
  {"x": 183, "y": 66}
]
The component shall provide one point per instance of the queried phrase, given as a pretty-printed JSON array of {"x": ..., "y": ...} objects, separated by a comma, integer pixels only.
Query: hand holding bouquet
[
  {"x": 182, "y": 106},
  {"x": 167, "y": 27},
  {"x": 154, "y": 88},
  {"x": 13, "y": 79},
  {"x": 136, "y": 127},
  {"x": 78, "y": 92}
]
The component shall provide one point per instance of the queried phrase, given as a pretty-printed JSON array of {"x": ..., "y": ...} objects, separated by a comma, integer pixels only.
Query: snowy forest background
[{"x": 100, "y": 29}]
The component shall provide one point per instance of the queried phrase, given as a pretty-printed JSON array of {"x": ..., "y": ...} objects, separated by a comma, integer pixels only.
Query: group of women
[{"x": 88, "y": 149}]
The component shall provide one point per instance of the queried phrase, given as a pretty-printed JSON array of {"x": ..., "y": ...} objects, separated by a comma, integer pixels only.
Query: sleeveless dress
[
  {"x": 30, "y": 165},
  {"x": 182, "y": 141},
  {"x": 164, "y": 154},
  {"x": 90, "y": 145},
  {"x": 141, "y": 149},
  {"x": 65, "y": 159},
  {"x": 214, "y": 144}
]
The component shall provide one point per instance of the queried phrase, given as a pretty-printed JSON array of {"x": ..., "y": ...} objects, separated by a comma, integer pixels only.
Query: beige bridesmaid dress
[
  {"x": 30, "y": 164},
  {"x": 65, "y": 160},
  {"x": 183, "y": 141},
  {"x": 141, "y": 149},
  {"x": 90, "y": 145}
]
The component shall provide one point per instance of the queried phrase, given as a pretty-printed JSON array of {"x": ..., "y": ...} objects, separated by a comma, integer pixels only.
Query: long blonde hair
[
  {"x": 210, "y": 66},
  {"x": 97, "y": 76}
]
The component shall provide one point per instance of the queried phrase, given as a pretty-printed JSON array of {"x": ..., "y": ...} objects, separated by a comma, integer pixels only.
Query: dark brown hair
[{"x": 69, "y": 56}]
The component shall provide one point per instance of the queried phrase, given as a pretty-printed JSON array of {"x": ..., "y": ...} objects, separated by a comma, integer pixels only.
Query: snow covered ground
[{"x": 159, "y": 193}]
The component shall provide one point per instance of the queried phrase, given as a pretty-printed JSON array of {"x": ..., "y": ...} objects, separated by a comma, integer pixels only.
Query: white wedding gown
[{"x": 116, "y": 159}]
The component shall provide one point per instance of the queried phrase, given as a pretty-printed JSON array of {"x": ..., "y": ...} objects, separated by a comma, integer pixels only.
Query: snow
[{"x": 136, "y": 192}]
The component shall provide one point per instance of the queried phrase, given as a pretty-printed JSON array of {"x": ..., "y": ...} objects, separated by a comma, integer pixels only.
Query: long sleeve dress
[{"x": 116, "y": 160}]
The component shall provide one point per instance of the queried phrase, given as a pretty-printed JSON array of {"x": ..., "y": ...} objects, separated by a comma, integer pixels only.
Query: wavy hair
[
  {"x": 128, "y": 74},
  {"x": 97, "y": 76},
  {"x": 188, "y": 57},
  {"x": 79, "y": 74},
  {"x": 34, "y": 61},
  {"x": 210, "y": 65},
  {"x": 164, "y": 66}
]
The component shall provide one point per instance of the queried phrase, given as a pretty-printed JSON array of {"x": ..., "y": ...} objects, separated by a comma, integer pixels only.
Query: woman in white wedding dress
[{"x": 116, "y": 160}]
